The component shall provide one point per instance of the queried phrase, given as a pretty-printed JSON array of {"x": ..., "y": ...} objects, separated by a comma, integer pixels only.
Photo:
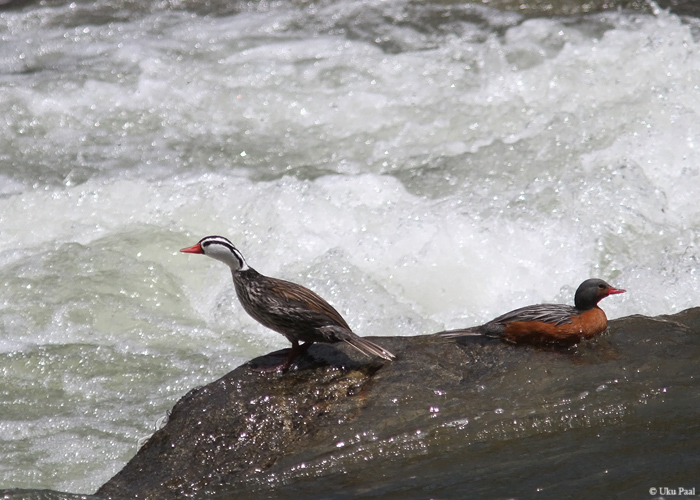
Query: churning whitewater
[{"x": 419, "y": 175}]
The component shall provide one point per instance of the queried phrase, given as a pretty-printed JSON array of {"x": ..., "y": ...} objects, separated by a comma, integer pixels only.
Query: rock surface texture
[{"x": 249, "y": 431}]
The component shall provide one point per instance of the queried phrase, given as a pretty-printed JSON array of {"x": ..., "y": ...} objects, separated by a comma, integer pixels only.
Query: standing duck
[
  {"x": 544, "y": 324},
  {"x": 287, "y": 308}
]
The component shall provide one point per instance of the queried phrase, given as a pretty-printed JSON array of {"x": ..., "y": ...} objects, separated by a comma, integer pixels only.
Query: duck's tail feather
[
  {"x": 369, "y": 348},
  {"x": 461, "y": 332}
]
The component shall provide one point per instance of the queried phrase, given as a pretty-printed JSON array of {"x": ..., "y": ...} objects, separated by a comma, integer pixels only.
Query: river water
[{"x": 421, "y": 166}]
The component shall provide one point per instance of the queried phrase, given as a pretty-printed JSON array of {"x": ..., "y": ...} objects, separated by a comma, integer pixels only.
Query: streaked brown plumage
[
  {"x": 549, "y": 323},
  {"x": 285, "y": 307}
]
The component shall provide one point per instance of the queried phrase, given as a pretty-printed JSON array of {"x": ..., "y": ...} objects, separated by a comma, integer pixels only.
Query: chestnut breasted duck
[{"x": 544, "y": 324}]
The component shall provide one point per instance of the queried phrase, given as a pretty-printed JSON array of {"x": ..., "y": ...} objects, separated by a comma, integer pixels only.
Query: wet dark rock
[
  {"x": 248, "y": 431},
  {"x": 248, "y": 421}
]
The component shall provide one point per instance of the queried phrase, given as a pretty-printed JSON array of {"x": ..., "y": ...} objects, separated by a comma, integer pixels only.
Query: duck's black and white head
[{"x": 219, "y": 248}]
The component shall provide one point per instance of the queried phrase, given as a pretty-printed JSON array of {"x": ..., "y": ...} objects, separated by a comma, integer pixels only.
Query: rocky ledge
[{"x": 235, "y": 434}]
